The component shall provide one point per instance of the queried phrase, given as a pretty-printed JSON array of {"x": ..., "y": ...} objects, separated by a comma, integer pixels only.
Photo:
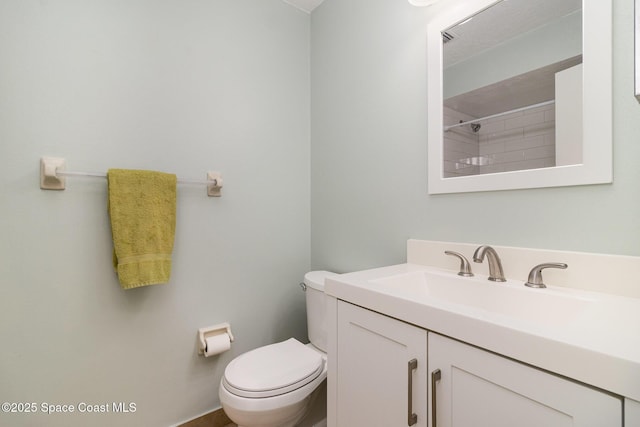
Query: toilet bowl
[
  {"x": 275, "y": 385},
  {"x": 284, "y": 402}
]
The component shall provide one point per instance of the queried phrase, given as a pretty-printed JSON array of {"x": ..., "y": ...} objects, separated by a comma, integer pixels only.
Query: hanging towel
[{"x": 142, "y": 208}]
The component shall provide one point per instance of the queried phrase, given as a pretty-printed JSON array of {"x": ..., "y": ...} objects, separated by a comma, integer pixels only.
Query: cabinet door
[
  {"x": 478, "y": 388},
  {"x": 631, "y": 413},
  {"x": 377, "y": 382}
]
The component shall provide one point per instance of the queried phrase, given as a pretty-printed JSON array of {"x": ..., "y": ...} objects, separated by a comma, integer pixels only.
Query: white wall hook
[
  {"x": 49, "y": 179},
  {"x": 208, "y": 332},
  {"x": 214, "y": 190}
]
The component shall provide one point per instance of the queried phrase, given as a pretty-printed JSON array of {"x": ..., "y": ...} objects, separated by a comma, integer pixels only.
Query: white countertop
[{"x": 599, "y": 346}]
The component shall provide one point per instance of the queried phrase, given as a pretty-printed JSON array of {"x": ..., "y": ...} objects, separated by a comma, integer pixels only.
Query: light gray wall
[
  {"x": 369, "y": 164},
  {"x": 192, "y": 86},
  {"x": 172, "y": 85}
]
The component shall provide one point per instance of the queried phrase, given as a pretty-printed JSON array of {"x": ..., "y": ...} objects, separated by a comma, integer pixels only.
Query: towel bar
[{"x": 52, "y": 176}]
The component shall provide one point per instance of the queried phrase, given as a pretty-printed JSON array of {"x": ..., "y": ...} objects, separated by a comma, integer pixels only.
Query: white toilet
[{"x": 275, "y": 385}]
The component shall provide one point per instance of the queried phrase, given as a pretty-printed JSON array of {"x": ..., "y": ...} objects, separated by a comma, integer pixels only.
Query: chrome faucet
[
  {"x": 535, "y": 275},
  {"x": 465, "y": 268},
  {"x": 495, "y": 266}
]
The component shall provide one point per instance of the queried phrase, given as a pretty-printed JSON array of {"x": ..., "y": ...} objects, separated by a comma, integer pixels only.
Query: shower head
[{"x": 475, "y": 127}]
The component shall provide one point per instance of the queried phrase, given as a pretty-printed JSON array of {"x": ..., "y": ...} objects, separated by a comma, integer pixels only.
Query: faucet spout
[{"x": 496, "y": 273}]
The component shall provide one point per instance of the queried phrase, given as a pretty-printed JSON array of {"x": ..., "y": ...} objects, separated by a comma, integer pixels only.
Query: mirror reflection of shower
[{"x": 497, "y": 120}]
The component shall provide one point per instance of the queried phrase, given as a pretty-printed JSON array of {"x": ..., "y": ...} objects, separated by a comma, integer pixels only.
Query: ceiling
[
  {"x": 493, "y": 26},
  {"x": 526, "y": 89},
  {"x": 309, "y": 5},
  {"x": 503, "y": 21},
  {"x": 305, "y": 5}
]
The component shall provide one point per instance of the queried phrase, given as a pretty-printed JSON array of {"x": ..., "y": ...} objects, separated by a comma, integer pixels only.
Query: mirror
[{"x": 519, "y": 95}]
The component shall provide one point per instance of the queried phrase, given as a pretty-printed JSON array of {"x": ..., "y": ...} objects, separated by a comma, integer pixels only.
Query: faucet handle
[
  {"x": 465, "y": 267},
  {"x": 535, "y": 275}
]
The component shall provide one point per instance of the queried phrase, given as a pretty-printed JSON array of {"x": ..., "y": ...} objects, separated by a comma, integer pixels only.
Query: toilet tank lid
[{"x": 315, "y": 279}]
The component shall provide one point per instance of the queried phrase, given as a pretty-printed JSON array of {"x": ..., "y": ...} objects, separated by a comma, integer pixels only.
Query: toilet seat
[{"x": 273, "y": 370}]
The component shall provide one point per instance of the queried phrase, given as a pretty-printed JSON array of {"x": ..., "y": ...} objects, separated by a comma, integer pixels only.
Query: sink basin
[
  {"x": 511, "y": 299},
  {"x": 564, "y": 330}
]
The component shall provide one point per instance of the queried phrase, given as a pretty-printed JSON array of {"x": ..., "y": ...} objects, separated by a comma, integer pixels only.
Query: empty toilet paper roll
[{"x": 216, "y": 344}]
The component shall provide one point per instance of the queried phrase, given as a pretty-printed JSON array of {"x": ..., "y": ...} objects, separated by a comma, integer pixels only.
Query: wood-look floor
[{"x": 213, "y": 419}]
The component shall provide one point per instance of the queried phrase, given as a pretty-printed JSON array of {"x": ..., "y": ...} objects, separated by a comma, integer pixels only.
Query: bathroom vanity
[{"x": 415, "y": 344}]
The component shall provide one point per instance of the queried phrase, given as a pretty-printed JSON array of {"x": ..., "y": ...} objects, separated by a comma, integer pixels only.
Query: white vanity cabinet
[
  {"x": 631, "y": 413},
  {"x": 479, "y": 388},
  {"x": 375, "y": 367},
  {"x": 471, "y": 387}
]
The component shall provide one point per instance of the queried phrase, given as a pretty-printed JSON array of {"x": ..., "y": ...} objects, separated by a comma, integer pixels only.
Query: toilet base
[
  {"x": 310, "y": 412},
  {"x": 266, "y": 421},
  {"x": 316, "y": 416}
]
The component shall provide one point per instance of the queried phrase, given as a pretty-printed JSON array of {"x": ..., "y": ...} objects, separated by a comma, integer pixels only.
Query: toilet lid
[{"x": 273, "y": 369}]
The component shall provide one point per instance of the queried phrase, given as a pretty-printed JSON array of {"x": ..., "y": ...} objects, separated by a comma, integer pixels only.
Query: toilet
[{"x": 276, "y": 385}]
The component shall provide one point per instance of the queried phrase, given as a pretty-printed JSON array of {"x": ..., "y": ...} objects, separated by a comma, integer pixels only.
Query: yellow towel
[{"x": 142, "y": 208}]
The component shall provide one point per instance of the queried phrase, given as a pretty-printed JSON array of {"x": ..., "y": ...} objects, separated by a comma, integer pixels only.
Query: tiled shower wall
[
  {"x": 461, "y": 146},
  {"x": 522, "y": 140}
]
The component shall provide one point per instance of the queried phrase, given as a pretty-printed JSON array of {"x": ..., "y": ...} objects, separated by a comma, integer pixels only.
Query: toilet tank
[{"x": 317, "y": 308}]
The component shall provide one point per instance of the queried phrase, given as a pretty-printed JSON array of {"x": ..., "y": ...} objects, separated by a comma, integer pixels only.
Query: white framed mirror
[{"x": 487, "y": 88}]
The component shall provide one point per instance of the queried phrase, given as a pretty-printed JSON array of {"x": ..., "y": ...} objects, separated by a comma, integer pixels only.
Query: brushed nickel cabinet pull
[
  {"x": 411, "y": 417},
  {"x": 435, "y": 377}
]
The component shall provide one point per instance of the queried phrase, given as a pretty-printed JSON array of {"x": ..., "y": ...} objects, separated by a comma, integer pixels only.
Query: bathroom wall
[
  {"x": 182, "y": 86},
  {"x": 461, "y": 145},
  {"x": 516, "y": 141},
  {"x": 368, "y": 91},
  {"x": 521, "y": 140}
]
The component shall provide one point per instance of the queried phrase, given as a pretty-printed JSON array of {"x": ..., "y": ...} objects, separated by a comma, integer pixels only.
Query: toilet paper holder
[{"x": 204, "y": 333}]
